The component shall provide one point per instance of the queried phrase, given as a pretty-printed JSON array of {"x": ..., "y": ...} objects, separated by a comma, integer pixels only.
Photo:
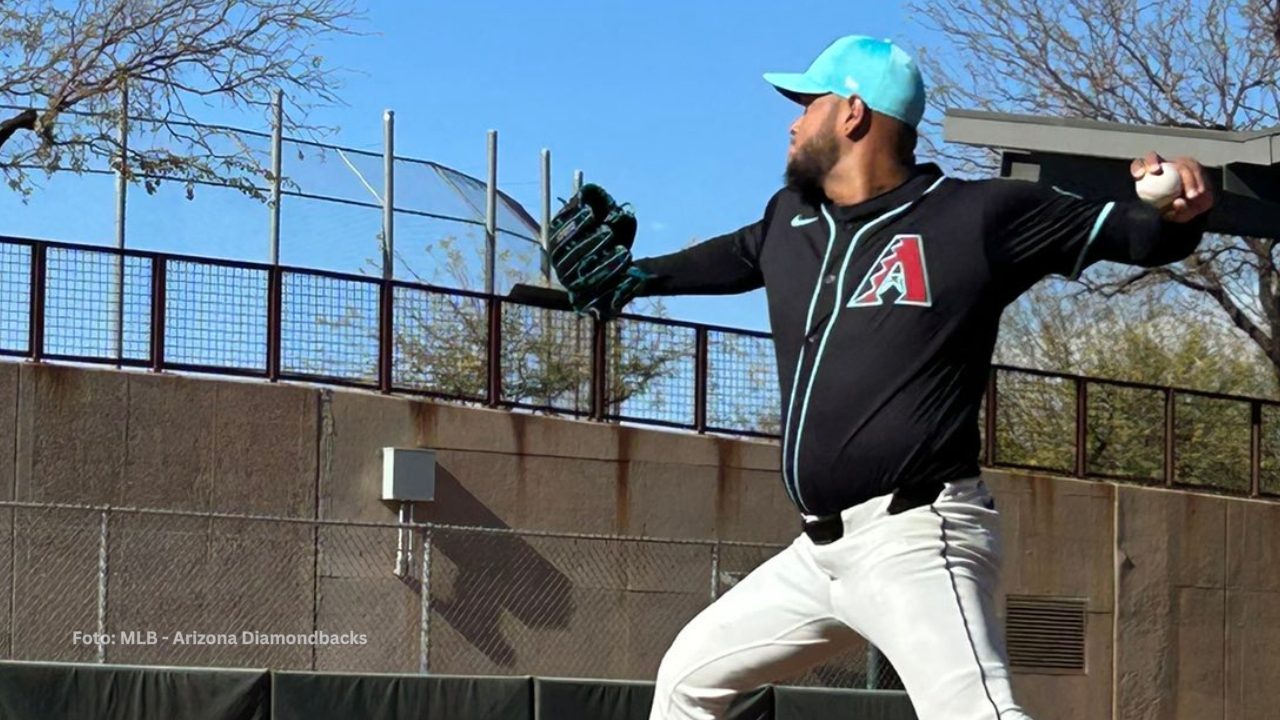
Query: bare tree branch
[
  {"x": 68, "y": 64},
  {"x": 1214, "y": 68},
  {"x": 25, "y": 120}
]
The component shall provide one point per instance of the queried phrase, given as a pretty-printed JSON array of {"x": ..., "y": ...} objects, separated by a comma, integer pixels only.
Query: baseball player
[{"x": 885, "y": 282}]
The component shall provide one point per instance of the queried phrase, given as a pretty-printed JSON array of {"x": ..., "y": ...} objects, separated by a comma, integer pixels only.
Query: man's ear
[{"x": 855, "y": 117}]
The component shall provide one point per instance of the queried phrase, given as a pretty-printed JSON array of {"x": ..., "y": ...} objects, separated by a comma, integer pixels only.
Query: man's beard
[{"x": 809, "y": 166}]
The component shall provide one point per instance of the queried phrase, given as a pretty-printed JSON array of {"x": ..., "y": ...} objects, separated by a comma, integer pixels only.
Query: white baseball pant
[{"x": 918, "y": 585}]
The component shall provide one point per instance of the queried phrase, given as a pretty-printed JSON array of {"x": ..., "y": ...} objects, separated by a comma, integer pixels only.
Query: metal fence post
[
  {"x": 386, "y": 326},
  {"x": 493, "y": 392},
  {"x": 545, "y": 230},
  {"x": 424, "y": 630},
  {"x": 1255, "y": 448},
  {"x": 122, "y": 198},
  {"x": 102, "y": 587},
  {"x": 1082, "y": 427},
  {"x": 1170, "y": 419},
  {"x": 700, "y": 384},
  {"x": 39, "y": 275},
  {"x": 277, "y": 150},
  {"x": 159, "y": 270},
  {"x": 275, "y": 321},
  {"x": 491, "y": 215},
  {"x": 386, "y": 295},
  {"x": 599, "y": 369},
  {"x": 388, "y": 194}
]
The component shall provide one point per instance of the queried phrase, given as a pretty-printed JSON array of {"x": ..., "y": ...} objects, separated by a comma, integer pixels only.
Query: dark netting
[
  {"x": 329, "y": 327},
  {"x": 742, "y": 383},
  {"x": 213, "y": 144},
  {"x": 1126, "y": 432},
  {"x": 473, "y": 191},
  {"x": 1211, "y": 438},
  {"x": 83, "y": 305},
  {"x": 650, "y": 371},
  {"x": 343, "y": 174},
  {"x": 546, "y": 358},
  {"x": 15, "y": 298},
  {"x": 214, "y": 220},
  {"x": 1035, "y": 421},
  {"x": 1270, "y": 469},
  {"x": 216, "y": 316},
  {"x": 325, "y": 235},
  {"x": 518, "y": 260},
  {"x": 439, "y": 252},
  {"x": 427, "y": 187},
  {"x": 439, "y": 343}
]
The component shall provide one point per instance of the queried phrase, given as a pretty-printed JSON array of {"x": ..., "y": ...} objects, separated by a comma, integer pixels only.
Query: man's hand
[{"x": 1197, "y": 193}]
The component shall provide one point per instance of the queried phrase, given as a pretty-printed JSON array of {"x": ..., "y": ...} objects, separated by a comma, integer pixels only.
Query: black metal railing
[{"x": 79, "y": 303}]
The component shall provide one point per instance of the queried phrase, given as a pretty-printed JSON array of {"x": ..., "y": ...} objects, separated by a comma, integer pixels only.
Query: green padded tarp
[
  {"x": 311, "y": 696},
  {"x": 562, "y": 699},
  {"x": 807, "y": 703},
  {"x": 54, "y": 691}
]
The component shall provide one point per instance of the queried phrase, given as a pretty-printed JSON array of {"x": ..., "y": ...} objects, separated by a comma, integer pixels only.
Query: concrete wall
[
  {"x": 1182, "y": 598},
  {"x": 1058, "y": 542},
  {"x": 1199, "y": 604}
]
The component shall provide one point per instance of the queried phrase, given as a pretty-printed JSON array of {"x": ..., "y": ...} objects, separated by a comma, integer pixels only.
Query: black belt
[{"x": 826, "y": 529}]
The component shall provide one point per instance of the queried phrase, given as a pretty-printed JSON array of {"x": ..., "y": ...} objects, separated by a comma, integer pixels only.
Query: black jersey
[{"x": 884, "y": 314}]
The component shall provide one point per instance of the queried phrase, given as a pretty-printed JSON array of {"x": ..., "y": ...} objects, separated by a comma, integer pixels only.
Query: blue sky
[{"x": 661, "y": 102}]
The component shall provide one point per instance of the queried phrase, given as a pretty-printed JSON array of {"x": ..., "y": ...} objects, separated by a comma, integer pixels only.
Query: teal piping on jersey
[
  {"x": 835, "y": 314},
  {"x": 795, "y": 382},
  {"x": 1093, "y": 235}
]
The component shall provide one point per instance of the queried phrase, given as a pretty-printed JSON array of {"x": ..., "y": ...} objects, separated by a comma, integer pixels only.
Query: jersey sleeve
[
  {"x": 724, "y": 265},
  {"x": 1034, "y": 231}
]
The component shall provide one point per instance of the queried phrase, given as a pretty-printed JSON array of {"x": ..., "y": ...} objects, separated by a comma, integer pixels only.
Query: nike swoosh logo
[{"x": 798, "y": 221}]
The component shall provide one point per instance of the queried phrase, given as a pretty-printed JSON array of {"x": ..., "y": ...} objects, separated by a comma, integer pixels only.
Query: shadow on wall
[{"x": 492, "y": 573}]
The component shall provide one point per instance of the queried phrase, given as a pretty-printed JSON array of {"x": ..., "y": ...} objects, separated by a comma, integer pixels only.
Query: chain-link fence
[{"x": 129, "y": 586}]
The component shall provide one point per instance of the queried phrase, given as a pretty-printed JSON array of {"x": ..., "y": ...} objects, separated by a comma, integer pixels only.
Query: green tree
[{"x": 1158, "y": 336}]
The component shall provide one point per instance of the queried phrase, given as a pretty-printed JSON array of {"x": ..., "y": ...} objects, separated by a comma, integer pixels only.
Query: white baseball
[{"x": 1161, "y": 190}]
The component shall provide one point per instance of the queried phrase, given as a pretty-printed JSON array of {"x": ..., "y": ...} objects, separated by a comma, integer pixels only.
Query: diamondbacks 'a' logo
[{"x": 899, "y": 268}]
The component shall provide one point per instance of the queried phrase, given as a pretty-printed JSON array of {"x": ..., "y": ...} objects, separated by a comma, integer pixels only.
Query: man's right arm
[{"x": 724, "y": 265}]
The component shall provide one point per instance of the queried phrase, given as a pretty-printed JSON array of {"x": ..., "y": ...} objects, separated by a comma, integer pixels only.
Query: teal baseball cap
[{"x": 878, "y": 71}]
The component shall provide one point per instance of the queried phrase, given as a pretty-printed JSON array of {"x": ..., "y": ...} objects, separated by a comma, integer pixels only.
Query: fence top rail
[
  {"x": 1133, "y": 385},
  {"x": 425, "y": 526},
  {"x": 330, "y": 275},
  {"x": 1211, "y": 395},
  {"x": 480, "y": 295},
  {"x": 694, "y": 325}
]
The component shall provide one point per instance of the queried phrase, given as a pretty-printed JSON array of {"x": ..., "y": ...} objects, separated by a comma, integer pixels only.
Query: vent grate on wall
[{"x": 1045, "y": 632}]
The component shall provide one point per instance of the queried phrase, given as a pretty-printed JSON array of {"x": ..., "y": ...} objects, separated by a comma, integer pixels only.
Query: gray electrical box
[{"x": 408, "y": 474}]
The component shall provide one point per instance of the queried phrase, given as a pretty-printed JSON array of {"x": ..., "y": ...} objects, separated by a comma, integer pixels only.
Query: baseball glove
[{"x": 589, "y": 245}]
